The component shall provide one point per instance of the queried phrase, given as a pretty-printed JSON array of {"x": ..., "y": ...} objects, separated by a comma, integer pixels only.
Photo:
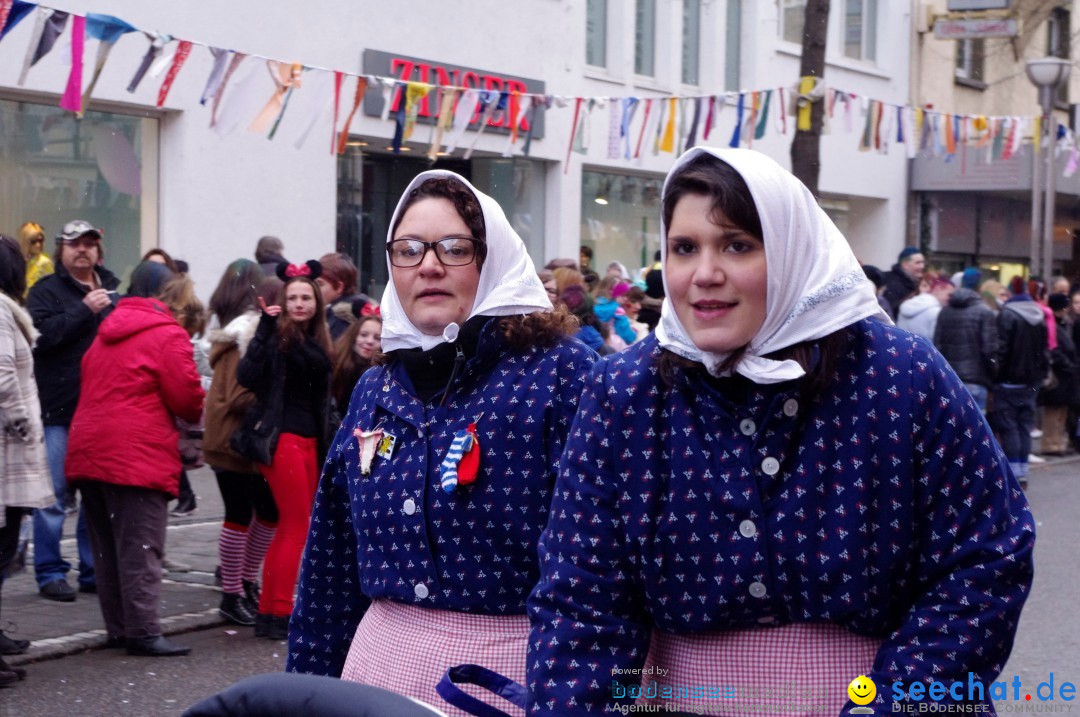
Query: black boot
[
  {"x": 234, "y": 608},
  {"x": 12, "y": 647},
  {"x": 159, "y": 646},
  {"x": 262, "y": 624},
  {"x": 278, "y": 628},
  {"x": 5, "y": 668},
  {"x": 251, "y": 593}
]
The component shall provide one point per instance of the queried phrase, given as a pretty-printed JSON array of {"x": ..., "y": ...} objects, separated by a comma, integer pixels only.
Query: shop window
[
  {"x": 103, "y": 169},
  {"x": 969, "y": 62},
  {"x": 596, "y": 33},
  {"x": 645, "y": 37},
  {"x": 620, "y": 218},
  {"x": 860, "y": 29},
  {"x": 691, "y": 35},
  {"x": 792, "y": 19}
]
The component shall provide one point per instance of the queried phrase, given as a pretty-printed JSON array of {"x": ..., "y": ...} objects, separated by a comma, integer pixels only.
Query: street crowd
[{"x": 741, "y": 463}]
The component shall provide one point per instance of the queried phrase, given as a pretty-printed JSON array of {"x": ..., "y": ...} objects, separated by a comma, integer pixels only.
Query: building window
[
  {"x": 1058, "y": 45},
  {"x": 691, "y": 33},
  {"x": 732, "y": 46},
  {"x": 969, "y": 60},
  {"x": 860, "y": 29},
  {"x": 102, "y": 168},
  {"x": 596, "y": 33},
  {"x": 792, "y": 19},
  {"x": 645, "y": 37}
]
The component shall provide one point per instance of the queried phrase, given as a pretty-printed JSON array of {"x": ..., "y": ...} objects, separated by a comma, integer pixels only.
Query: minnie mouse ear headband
[
  {"x": 364, "y": 307},
  {"x": 309, "y": 270}
]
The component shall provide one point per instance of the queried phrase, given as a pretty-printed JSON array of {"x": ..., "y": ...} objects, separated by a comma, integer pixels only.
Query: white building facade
[{"x": 164, "y": 177}]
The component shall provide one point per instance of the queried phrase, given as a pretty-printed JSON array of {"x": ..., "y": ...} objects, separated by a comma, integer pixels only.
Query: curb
[{"x": 56, "y": 647}]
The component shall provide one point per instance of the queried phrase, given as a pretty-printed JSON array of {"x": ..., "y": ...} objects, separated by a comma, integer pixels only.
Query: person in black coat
[
  {"x": 67, "y": 307},
  {"x": 287, "y": 368},
  {"x": 966, "y": 335},
  {"x": 1062, "y": 391},
  {"x": 903, "y": 279}
]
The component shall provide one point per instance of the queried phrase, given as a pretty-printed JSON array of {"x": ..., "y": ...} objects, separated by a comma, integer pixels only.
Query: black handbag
[{"x": 257, "y": 437}]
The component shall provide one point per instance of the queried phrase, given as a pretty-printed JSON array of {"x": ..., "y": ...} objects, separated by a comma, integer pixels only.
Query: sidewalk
[{"x": 188, "y": 600}]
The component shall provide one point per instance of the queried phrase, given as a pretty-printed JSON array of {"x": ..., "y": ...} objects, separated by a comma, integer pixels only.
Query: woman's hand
[{"x": 274, "y": 310}]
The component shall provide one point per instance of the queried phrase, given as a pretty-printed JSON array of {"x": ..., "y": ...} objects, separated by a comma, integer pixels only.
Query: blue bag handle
[{"x": 481, "y": 676}]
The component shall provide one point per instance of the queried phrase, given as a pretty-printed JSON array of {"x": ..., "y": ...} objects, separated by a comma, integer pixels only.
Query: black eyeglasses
[{"x": 408, "y": 252}]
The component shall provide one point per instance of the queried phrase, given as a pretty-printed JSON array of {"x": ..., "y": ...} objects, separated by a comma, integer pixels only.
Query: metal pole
[
  {"x": 1050, "y": 203},
  {"x": 1036, "y": 211}
]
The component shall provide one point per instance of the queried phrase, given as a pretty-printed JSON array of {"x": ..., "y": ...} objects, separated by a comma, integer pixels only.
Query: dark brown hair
[
  {"x": 348, "y": 367},
  {"x": 290, "y": 332},
  {"x": 12, "y": 269},
  {"x": 339, "y": 269},
  {"x": 169, "y": 262},
  {"x": 464, "y": 201},
  {"x": 236, "y": 291}
]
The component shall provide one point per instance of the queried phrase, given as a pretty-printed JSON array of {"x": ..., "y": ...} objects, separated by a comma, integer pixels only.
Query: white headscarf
[
  {"x": 815, "y": 285},
  {"x": 508, "y": 284}
]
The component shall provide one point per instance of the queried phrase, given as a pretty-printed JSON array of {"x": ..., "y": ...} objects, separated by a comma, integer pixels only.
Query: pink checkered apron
[
  {"x": 407, "y": 649},
  {"x": 805, "y": 664}
]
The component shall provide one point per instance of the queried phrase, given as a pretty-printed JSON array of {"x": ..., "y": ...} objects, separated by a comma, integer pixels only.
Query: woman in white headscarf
[
  {"x": 774, "y": 491},
  {"x": 438, "y": 483}
]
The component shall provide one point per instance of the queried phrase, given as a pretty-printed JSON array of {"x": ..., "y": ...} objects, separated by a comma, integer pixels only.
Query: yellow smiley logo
[{"x": 862, "y": 690}]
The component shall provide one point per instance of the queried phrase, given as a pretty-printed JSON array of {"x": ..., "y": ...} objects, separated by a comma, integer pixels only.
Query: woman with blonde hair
[{"x": 32, "y": 246}]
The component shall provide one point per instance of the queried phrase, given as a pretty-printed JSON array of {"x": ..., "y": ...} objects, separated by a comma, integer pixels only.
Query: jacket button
[
  {"x": 747, "y": 427},
  {"x": 420, "y": 590},
  {"x": 409, "y": 506},
  {"x": 420, "y": 432},
  {"x": 791, "y": 407},
  {"x": 767, "y": 620},
  {"x": 757, "y": 589},
  {"x": 747, "y": 529},
  {"x": 770, "y": 466}
]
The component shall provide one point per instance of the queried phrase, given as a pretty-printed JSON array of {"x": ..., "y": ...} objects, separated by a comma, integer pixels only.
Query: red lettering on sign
[
  {"x": 519, "y": 86},
  {"x": 424, "y": 71}
]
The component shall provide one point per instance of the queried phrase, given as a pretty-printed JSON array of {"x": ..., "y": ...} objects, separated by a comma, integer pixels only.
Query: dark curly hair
[{"x": 464, "y": 201}]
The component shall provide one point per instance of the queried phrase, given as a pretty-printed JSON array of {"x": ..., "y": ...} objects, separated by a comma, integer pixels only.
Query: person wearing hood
[
  {"x": 67, "y": 306},
  {"x": 609, "y": 313},
  {"x": 919, "y": 314},
  {"x": 902, "y": 281},
  {"x": 1062, "y": 394},
  {"x": 966, "y": 335},
  {"x": 139, "y": 376},
  {"x": 251, "y": 516},
  {"x": 438, "y": 482},
  {"x": 1023, "y": 361},
  {"x": 760, "y": 482}
]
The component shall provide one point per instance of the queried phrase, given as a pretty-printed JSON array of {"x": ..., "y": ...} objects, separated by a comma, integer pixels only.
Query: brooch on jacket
[
  {"x": 462, "y": 461},
  {"x": 375, "y": 442}
]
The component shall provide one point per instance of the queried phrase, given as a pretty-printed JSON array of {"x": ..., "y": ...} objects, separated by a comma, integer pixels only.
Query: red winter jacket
[{"x": 138, "y": 377}]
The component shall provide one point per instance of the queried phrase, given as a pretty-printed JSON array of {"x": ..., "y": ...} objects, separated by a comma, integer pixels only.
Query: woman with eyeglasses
[
  {"x": 438, "y": 483},
  {"x": 32, "y": 245}
]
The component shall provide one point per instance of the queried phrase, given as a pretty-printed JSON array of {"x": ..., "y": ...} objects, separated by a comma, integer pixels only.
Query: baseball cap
[{"x": 77, "y": 228}]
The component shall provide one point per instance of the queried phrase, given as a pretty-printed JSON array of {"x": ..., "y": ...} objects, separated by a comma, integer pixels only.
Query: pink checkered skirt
[
  {"x": 407, "y": 649},
  {"x": 801, "y": 669}
]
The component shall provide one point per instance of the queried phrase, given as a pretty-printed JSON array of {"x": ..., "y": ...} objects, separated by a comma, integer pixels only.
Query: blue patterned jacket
[
  {"x": 883, "y": 505},
  {"x": 396, "y": 534}
]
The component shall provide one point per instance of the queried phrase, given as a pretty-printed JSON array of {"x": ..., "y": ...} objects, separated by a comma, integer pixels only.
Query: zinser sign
[
  {"x": 414, "y": 69},
  {"x": 967, "y": 29}
]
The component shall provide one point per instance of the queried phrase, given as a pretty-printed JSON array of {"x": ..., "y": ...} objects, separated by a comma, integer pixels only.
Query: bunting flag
[
  {"x": 584, "y": 134},
  {"x": 661, "y": 121},
  {"x": 217, "y": 74},
  {"x": 463, "y": 115},
  {"x": 630, "y": 106},
  {"x": 1036, "y": 134},
  {"x": 444, "y": 121},
  {"x": 751, "y": 120},
  {"x": 867, "y": 141},
  {"x": 414, "y": 92},
  {"x": 763, "y": 120},
  {"x": 233, "y": 64},
  {"x": 537, "y": 103},
  {"x": 15, "y": 13},
  {"x": 573, "y": 131},
  {"x": 284, "y": 77},
  {"x": 518, "y": 110},
  {"x": 781, "y": 112},
  {"x": 388, "y": 87},
  {"x": 709, "y": 118},
  {"x": 877, "y": 108},
  {"x": 644, "y": 124},
  {"x": 1073, "y": 163},
  {"x": 491, "y": 101},
  {"x": 107, "y": 30},
  {"x": 72, "y": 97},
  {"x": 321, "y": 87},
  {"x": 49, "y": 26},
  {"x": 736, "y": 136},
  {"x": 358, "y": 96},
  {"x": 178, "y": 60},
  {"x": 667, "y": 143},
  {"x": 1009, "y": 132},
  {"x": 691, "y": 138},
  {"x": 296, "y": 78},
  {"x": 806, "y": 86},
  {"x": 680, "y": 134},
  {"x": 337, "y": 106},
  {"x": 157, "y": 44},
  {"x": 950, "y": 136},
  {"x": 615, "y": 113}
]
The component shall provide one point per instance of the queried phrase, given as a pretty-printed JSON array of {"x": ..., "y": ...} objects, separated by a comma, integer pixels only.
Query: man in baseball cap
[{"x": 67, "y": 307}]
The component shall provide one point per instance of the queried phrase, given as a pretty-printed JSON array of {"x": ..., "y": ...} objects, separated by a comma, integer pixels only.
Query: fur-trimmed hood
[
  {"x": 22, "y": 319},
  {"x": 237, "y": 332}
]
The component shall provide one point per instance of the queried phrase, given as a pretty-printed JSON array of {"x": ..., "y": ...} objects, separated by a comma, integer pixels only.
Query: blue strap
[{"x": 476, "y": 675}]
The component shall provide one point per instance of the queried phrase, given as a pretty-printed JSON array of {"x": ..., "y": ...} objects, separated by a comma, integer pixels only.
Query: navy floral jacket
[
  {"x": 883, "y": 504},
  {"x": 397, "y": 534}
]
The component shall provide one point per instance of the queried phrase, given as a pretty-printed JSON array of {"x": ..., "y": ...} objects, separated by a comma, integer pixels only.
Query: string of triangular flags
[{"x": 636, "y": 125}]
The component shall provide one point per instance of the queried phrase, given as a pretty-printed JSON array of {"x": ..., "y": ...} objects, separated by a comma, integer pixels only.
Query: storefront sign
[
  {"x": 414, "y": 69},
  {"x": 970, "y": 29}
]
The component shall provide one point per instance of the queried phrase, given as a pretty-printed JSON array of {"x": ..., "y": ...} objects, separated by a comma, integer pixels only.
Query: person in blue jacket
[
  {"x": 437, "y": 485},
  {"x": 775, "y": 493}
]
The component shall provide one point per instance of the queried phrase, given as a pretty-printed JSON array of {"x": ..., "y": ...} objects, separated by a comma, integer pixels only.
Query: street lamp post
[{"x": 1046, "y": 74}]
